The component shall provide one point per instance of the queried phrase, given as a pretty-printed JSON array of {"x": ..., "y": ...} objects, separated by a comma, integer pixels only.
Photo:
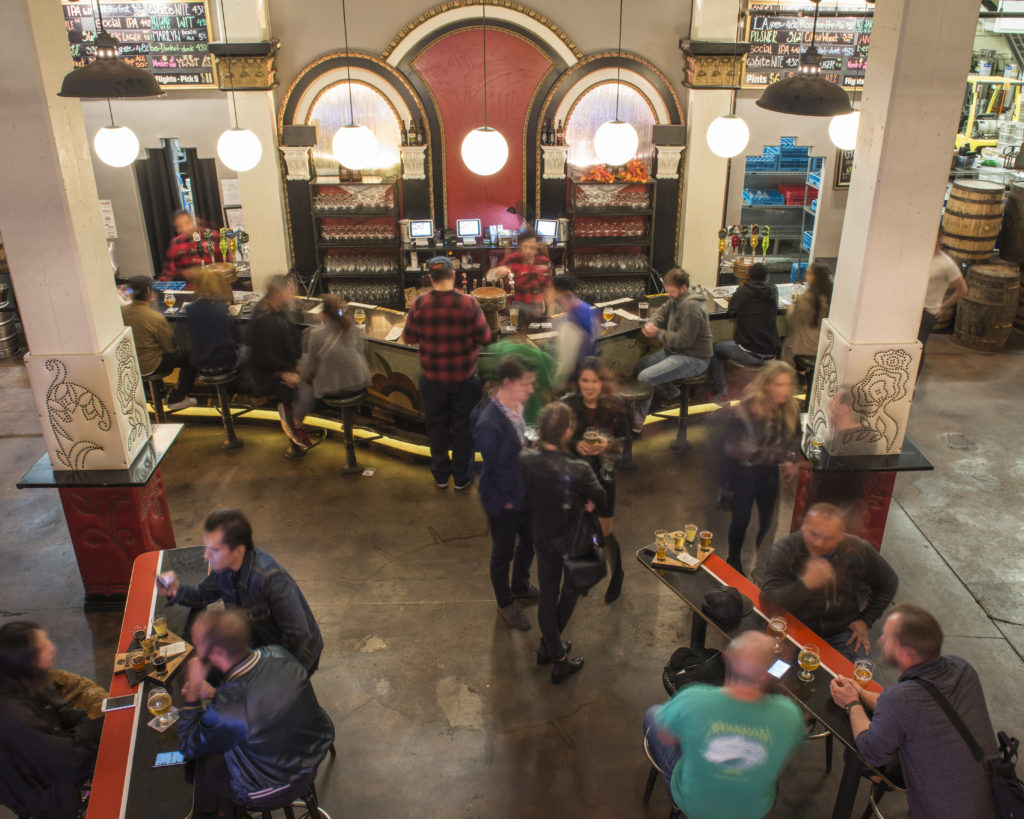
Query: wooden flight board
[
  {"x": 121, "y": 665},
  {"x": 777, "y": 39},
  {"x": 691, "y": 565},
  {"x": 170, "y": 40}
]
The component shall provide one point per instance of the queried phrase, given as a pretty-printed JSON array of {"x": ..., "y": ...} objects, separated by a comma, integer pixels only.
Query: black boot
[
  {"x": 564, "y": 668},
  {"x": 614, "y": 589},
  {"x": 615, "y": 561},
  {"x": 544, "y": 656}
]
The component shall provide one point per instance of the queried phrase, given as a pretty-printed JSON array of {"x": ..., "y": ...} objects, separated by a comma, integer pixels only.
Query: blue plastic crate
[
  {"x": 797, "y": 271},
  {"x": 787, "y": 142},
  {"x": 817, "y": 162},
  {"x": 762, "y": 196},
  {"x": 814, "y": 205},
  {"x": 814, "y": 179},
  {"x": 805, "y": 243}
]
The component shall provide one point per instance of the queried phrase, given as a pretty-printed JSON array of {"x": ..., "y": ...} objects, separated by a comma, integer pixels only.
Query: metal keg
[{"x": 8, "y": 327}]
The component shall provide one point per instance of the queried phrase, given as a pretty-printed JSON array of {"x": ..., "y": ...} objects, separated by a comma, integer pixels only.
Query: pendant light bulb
[
  {"x": 485, "y": 151},
  {"x": 116, "y": 145},
  {"x": 239, "y": 149},
  {"x": 615, "y": 142},
  {"x": 354, "y": 146},
  {"x": 842, "y": 130},
  {"x": 727, "y": 136}
]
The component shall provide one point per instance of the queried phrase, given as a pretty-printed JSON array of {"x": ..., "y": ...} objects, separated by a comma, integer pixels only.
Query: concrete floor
[{"x": 439, "y": 706}]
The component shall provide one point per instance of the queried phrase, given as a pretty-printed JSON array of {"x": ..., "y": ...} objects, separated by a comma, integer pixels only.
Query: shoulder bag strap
[{"x": 954, "y": 718}]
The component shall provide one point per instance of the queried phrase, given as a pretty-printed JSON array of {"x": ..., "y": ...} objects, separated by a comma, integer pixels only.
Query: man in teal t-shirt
[{"x": 725, "y": 747}]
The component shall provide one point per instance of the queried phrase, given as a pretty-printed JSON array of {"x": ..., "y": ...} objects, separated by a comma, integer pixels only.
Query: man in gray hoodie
[{"x": 681, "y": 325}]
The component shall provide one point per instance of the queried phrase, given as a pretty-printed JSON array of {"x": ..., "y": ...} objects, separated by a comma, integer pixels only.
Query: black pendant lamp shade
[{"x": 108, "y": 76}]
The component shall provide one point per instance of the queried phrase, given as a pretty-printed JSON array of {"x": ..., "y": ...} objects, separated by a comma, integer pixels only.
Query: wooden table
[
  {"x": 813, "y": 697},
  {"x": 125, "y": 783}
]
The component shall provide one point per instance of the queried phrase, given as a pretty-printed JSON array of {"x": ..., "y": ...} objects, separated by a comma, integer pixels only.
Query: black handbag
[
  {"x": 1007, "y": 789},
  {"x": 584, "y": 558},
  {"x": 693, "y": 665}
]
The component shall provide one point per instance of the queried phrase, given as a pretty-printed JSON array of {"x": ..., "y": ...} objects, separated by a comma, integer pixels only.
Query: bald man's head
[{"x": 748, "y": 658}]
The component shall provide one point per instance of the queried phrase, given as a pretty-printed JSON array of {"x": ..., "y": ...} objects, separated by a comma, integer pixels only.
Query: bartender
[
  {"x": 532, "y": 275},
  {"x": 183, "y": 260}
]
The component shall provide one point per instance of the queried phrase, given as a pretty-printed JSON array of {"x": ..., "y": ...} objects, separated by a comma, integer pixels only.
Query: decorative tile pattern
[{"x": 67, "y": 403}]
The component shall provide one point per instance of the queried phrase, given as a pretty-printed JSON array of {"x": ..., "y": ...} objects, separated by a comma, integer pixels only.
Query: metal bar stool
[
  {"x": 309, "y": 803},
  {"x": 154, "y": 382},
  {"x": 652, "y": 779},
  {"x": 680, "y": 444},
  {"x": 805, "y": 370},
  {"x": 347, "y": 403},
  {"x": 220, "y": 381},
  {"x": 741, "y": 375},
  {"x": 633, "y": 393}
]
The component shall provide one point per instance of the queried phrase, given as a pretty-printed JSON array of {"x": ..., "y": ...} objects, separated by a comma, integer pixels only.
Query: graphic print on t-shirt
[{"x": 736, "y": 748}]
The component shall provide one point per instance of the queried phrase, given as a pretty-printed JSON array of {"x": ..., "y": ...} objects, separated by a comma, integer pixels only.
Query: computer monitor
[
  {"x": 547, "y": 229},
  {"x": 421, "y": 229},
  {"x": 468, "y": 228}
]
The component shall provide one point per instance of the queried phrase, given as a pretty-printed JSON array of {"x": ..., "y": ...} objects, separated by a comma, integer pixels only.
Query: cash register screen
[
  {"x": 421, "y": 229},
  {"x": 547, "y": 228},
  {"x": 468, "y": 228}
]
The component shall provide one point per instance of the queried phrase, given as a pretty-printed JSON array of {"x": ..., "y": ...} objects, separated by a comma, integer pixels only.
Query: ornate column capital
[
  {"x": 414, "y": 161},
  {"x": 668, "y": 159},
  {"x": 554, "y": 157},
  {"x": 245, "y": 66},
  {"x": 296, "y": 160},
  {"x": 713, "y": 65}
]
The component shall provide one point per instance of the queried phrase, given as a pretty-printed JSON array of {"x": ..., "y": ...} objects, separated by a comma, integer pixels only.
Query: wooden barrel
[
  {"x": 945, "y": 324},
  {"x": 1011, "y": 237},
  {"x": 970, "y": 224},
  {"x": 741, "y": 268},
  {"x": 984, "y": 317},
  {"x": 1018, "y": 322}
]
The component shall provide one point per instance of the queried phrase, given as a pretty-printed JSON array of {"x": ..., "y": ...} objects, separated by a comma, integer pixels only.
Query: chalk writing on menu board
[
  {"x": 778, "y": 38},
  {"x": 170, "y": 40}
]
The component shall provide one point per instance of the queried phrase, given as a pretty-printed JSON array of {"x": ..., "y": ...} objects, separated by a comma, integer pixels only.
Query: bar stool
[
  {"x": 632, "y": 393},
  {"x": 878, "y": 790},
  {"x": 680, "y": 444},
  {"x": 652, "y": 779},
  {"x": 309, "y": 803},
  {"x": 742, "y": 375},
  {"x": 154, "y": 382},
  {"x": 220, "y": 381},
  {"x": 825, "y": 735},
  {"x": 805, "y": 369},
  {"x": 347, "y": 403}
]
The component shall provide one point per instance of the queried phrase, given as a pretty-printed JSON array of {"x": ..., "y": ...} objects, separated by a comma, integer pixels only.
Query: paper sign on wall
[
  {"x": 107, "y": 214},
  {"x": 230, "y": 193}
]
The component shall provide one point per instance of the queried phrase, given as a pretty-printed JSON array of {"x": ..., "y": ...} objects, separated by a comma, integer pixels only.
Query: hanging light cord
[
  {"x": 111, "y": 110},
  {"x": 348, "y": 64},
  {"x": 814, "y": 25},
  {"x": 99, "y": 14},
  {"x": 483, "y": 11},
  {"x": 231, "y": 74},
  {"x": 618, "y": 65}
]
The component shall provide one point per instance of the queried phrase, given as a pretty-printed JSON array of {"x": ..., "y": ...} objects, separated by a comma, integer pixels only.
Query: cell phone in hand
[
  {"x": 117, "y": 703},
  {"x": 169, "y": 758}
]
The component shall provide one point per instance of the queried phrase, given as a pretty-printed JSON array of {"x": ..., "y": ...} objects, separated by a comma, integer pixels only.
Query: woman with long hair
[
  {"x": 803, "y": 317},
  {"x": 335, "y": 359},
  {"x": 598, "y": 408},
  {"x": 211, "y": 328},
  {"x": 47, "y": 748},
  {"x": 558, "y": 488},
  {"x": 760, "y": 436}
]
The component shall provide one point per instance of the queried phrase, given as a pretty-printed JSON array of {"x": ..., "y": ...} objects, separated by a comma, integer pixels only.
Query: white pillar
[
  {"x": 82, "y": 364},
  {"x": 920, "y": 55}
]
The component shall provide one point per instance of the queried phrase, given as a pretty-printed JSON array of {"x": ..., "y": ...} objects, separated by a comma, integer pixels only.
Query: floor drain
[{"x": 956, "y": 440}]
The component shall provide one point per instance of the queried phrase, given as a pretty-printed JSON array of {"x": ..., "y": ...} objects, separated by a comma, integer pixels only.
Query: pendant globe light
[
  {"x": 616, "y": 141},
  {"x": 116, "y": 145},
  {"x": 842, "y": 130},
  {"x": 807, "y": 94},
  {"x": 727, "y": 136},
  {"x": 354, "y": 146},
  {"x": 238, "y": 148},
  {"x": 484, "y": 149}
]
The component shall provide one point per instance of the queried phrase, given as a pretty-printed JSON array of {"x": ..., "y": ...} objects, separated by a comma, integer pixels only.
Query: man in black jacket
[
  {"x": 260, "y": 740},
  {"x": 248, "y": 578},
  {"x": 817, "y": 574},
  {"x": 755, "y": 306}
]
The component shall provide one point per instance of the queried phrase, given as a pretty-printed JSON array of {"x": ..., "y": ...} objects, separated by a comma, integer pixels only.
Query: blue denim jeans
[
  {"x": 665, "y": 756},
  {"x": 661, "y": 368},
  {"x": 724, "y": 351},
  {"x": 838, "y": 642}
]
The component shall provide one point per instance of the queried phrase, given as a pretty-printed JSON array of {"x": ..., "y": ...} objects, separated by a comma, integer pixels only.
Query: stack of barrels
[
  {"x": 1011, "y": 241},
  {"x": 970, "y": 226},
  {"x": 8, "y": 327}
]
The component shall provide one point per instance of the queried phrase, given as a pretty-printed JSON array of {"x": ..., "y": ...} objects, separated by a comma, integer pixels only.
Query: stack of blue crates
[
  {"x": 762, "y": 196},
  {"x": 793, "y": 157},
  {"x": 786, "y": 156},
  {"x": 805, "y": 243}
]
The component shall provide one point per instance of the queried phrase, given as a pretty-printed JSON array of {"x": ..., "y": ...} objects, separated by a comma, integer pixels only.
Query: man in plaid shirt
[
  {"x": 450, "y": 328},
  {"x": 182, "y": 260},
  {"x": 532, "y": 273}
]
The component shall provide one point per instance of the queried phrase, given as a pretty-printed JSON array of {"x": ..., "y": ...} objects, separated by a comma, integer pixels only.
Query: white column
[
  {"x": 920, "y": 55},
  {"x": 82, "y": 366},
  {"x": 266, "y": 219},
  {"x": 704, "y": 187}
]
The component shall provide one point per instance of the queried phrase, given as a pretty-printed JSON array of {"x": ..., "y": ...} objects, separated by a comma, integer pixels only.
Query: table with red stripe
[{"x": 125, "y": 783}]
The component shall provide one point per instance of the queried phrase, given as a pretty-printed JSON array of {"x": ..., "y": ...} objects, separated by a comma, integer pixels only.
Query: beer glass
[
  {"x": 139, "y": 634},
  {"x": 608, "y": 313},
  {"x": 160, "y": 626},
  {"x": 660, "y": 537},
  {"x": 513, "y": 316},
  {"x": 359, "y": 316},
  {"x": 149, "y": 646},
  {"x": 809, "y": 660},
  {"x": 705, "y": 542},
  {"x": 778, "y": 628},
  {"x": 863, "y": 672},
  {"x": 691, "y": 532},
  {"x": 679, "y": 538},
  {"x": 643, "y": 307},
  {"x": 160, "y": 664},
  {"x": 169, "y": 299},
  {"x": 137, "y": 660},
  {"x": 159, "y": 705}
]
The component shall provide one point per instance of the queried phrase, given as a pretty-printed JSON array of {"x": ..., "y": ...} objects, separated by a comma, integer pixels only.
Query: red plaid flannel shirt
[
  {"x": 450, "y": 328},
  {"x": 181, "y": 255},
  {"x": 531, "y": 279}
]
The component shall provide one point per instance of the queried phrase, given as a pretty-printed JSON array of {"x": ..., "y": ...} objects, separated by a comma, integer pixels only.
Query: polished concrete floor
[{"x": 440, "y": 708}]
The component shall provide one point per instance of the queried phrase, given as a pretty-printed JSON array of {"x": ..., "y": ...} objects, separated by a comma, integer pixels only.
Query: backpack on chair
[{"x": 693, "y": 665}]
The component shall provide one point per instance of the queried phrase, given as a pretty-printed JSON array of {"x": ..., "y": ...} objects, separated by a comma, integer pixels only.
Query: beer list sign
[
  {"x": 778, "y": 38},
  {"x": 170, "y": 40}
]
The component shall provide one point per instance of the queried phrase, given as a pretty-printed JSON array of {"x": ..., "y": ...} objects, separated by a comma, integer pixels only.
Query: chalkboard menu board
[
  {"x": 844, "y": 169},
  {"x": 777, "y": 40},
  {"x": 170, "y": 40}
]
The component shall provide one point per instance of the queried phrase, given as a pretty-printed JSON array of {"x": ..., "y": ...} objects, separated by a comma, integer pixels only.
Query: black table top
[{"x": 910, "y": 459}]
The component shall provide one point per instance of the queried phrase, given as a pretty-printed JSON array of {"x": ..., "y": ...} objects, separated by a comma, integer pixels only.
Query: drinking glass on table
[
  {"x": 661, "y": 543},
  {"x": 359, "y": 316},
  {"x": 863, "y": 671},
  {"x": 137, "y": 660},
  {"x": 149, "y": 646},
  {"x": 691, "y": 532},
  {"x": 809, "y": 659},
  {"x": 778, "y": 628},
  {"x": 160, "y": 626},
  {"x": 169, "y": 299},
  {"x": 159, "y": 705},
  {"x": 643, "y": 308},
  {"x": 513, "y": 316},
  {"x": 705, "y": 542},
  {"x": 608, "y": 314}
]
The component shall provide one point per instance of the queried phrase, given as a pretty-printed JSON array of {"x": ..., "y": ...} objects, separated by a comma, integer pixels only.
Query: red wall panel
[{"x": 452, "y": 68}]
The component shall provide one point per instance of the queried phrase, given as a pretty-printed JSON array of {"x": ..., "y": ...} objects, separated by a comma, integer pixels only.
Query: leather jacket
[
  {"x": 557, "y": 486},
  {"x": 278, "y": 613},
  {"x": 267, "y": 722}
]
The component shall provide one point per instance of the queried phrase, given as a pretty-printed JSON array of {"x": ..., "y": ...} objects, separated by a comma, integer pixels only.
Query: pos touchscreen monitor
[
  {"x": 421, "y": 229},
  {"x": 547, "y": 229},
  {"x": 468, "y": 228}
]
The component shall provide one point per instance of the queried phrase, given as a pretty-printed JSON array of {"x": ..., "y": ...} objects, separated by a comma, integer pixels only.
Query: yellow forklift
[{"x": 985, "y": 99}]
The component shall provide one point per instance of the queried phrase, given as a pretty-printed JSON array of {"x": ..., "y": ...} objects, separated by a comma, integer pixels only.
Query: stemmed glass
[
  {"x": 809, "y": 659},
  {"x": 159, "y": 705},
  {"x": 169, "y": 300}
]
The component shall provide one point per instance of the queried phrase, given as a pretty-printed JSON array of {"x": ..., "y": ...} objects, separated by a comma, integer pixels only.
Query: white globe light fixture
[
  {"x": 615, "y": 142},
  {"x": 355, "y": 146},
  {"x": 484, "y": 151},
  {"x": 727, "y": 136},
  {"x": 239, "y": 149},
  {"x": 842, "y": 130},
  {"x": 116, "y": 145}
]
